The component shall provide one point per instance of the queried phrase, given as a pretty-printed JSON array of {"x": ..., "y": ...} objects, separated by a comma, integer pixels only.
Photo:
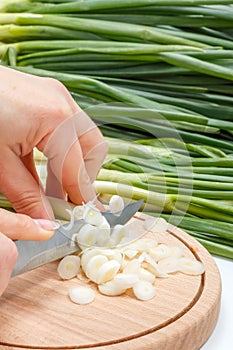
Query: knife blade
[{"x": 33, "y": 254}]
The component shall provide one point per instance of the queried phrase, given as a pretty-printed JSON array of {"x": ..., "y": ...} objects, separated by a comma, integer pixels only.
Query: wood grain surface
[{"x": 36, "y": 313}]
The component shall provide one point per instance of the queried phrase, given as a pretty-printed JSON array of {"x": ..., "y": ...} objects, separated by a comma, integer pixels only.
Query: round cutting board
[{"x": 36, "y": 313}]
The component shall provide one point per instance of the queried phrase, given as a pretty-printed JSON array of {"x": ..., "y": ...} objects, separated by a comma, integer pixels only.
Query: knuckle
[
  {"x": 27, "y": 203},
  {"x": 60, "y": 104},
  {"x": 25, "y": 222},
  {"x": 54, "y": 83},
  {"x": 60, "y": 111},
  {"x": 100, "y": 149}
]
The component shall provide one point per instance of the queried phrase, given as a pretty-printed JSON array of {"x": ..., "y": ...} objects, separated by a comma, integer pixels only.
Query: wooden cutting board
[{"x": 36, "y": 313}]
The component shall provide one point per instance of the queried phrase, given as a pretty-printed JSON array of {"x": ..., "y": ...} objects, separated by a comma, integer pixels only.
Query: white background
[{"x": 222, "y": 336}]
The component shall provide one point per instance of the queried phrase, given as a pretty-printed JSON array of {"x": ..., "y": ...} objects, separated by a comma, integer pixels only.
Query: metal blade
[{"x": 33, "y": 254}]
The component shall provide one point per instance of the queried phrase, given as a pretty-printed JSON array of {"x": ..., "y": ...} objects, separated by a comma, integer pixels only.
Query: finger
[
  {"x": 55, "y": 148},
  {"x": 67, "y": 165},
  {"x": 83, "y": 123},
  {"x": 75, "y": 178},
  {"x": 20, "y": 226},
  {"x": 54, "y": 186},
  {"x": 94, "y": 149},
  {"x": 20, "y": 187},
  {"x": 29, "y": 163},
  {"x": 93, "y": 145},
  {"x": 8, "y": 254}
]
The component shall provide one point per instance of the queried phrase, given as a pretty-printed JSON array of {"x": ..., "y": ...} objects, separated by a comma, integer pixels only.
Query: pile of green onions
[{"x": 155, "y": 75}]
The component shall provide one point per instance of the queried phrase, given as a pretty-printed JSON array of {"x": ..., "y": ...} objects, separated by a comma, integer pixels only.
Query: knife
[{"x": 33, "y": 254}]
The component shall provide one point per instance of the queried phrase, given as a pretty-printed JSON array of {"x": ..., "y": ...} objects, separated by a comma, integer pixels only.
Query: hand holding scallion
[{"x": 40, "y": 112}]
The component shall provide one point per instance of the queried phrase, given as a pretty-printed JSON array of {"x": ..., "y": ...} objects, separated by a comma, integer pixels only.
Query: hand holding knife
[{"x": 34, "y": 254}]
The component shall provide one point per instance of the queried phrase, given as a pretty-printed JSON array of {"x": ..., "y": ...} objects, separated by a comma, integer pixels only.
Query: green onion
[
  {"x": 198, "y": 65},
  {"x": 105, "y": 28},
  {"x": 155, "y": 73},
  {"x": 77, "y": 6}
]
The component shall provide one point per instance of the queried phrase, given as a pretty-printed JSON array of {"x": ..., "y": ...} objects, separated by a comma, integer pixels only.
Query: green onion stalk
[
  {"x": 77, "y": 6},
  {"x": 216, "y": 236},
  {"x": 156, "y": 77}
]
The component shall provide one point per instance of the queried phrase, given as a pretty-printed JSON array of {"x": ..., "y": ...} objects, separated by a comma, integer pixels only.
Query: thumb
[
  {"x": 20, "y": 226},
  {"x": 8, "y": 254},
  {"x": 21, "y": 188}
]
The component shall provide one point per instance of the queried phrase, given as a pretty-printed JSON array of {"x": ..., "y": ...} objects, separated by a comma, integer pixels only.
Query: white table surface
[{"x": 222, "y": 336}]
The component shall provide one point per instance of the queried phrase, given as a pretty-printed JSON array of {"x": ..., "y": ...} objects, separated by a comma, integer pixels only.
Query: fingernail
[{"x": 47, "y": 224}]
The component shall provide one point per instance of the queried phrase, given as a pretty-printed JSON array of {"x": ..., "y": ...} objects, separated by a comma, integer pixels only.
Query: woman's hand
[
  {"x": 18, "y": 226},
  {"x": 40, "y": 112}
]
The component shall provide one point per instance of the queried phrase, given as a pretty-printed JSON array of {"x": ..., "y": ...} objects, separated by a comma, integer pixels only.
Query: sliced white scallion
[
  {"x": 162, "y": 251},
  {"x": 87, "y": 255},
  {"x": 118, "y": 233},
  {"x": 126, "y": 280},
  {"x": 132, "y": 267},
  {"x": 87, "y": 236},
  {"x": 110, "y": 288},
  {"x": 104, "y": 233},
  {"x": 144, "y": 290},
  {"x": 169, "y": 265},
  {"x": 107, "y": 271},
  {"x": 116, "y": 205},
  {"x": 144, "y": 244},
  {"x": 78, "y": 212},
  {"x": 125, "y": 241},
  {"x": 157, "y": 225},
  {"x": 145, "y": 275},
  {"x": 191, "y": 266},
  {"x": 92, "y": 215},
  {"x": 94, "y": 265},
  {"x": 153, "y": 267},
  {"x": 113, "y": 254},
  {"x": 142, "y": 257},
  {"x": 124, "y": 263},
  {"x": 176, "y": 252},
  {"x": 134, "y": 263},
  {"x": 130, "y": 253},
  {"x": 81, "y": 295},
  {"x": 68, "y": 267}
]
